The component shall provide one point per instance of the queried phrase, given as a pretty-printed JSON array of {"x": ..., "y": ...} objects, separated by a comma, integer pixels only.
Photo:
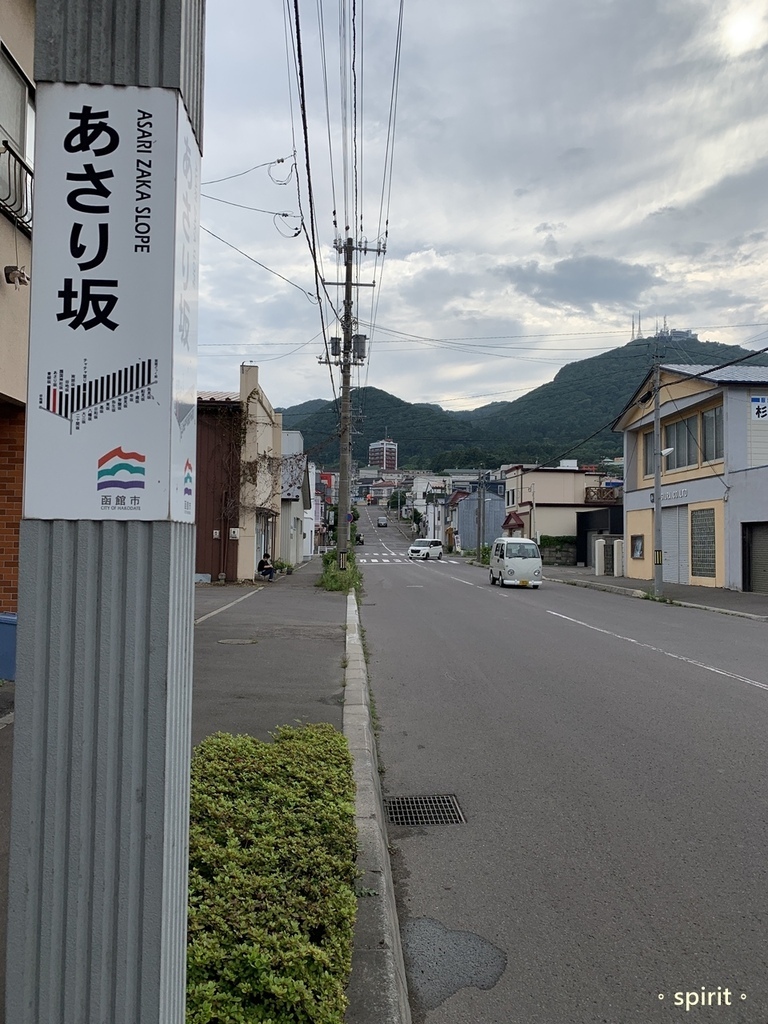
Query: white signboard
[
  {"x": 759, "y": 407},
  {"x": 113, "y": 326}
]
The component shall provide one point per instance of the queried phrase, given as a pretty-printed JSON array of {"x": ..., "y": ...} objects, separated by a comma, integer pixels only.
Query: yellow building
[{"x": 714, "y": 476}]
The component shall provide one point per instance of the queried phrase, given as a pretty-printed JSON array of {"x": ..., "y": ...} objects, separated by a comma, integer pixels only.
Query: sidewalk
[
  {"x": 277, "y": 654},
  {"x": 729, "y": 602}
]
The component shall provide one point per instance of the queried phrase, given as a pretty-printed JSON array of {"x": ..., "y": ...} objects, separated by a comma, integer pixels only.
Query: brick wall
[{"x": 11, "y": 470}]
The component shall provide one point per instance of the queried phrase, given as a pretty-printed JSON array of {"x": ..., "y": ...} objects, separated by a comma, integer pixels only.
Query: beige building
[
  {"x": 543, "y": 501},
  {"x": 17, "y": 122},
  {"x": 262, "y": 475},
  {"x": 714, "y": 477}
]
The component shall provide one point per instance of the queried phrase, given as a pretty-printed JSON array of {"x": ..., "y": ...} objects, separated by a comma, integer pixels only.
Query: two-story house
[
  {"x": 713, "y": 458},
  {"x": 17, "y": 122},
  {"x": 544, "y": 501}
]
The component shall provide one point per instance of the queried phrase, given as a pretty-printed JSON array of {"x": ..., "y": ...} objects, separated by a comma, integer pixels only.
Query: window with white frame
[
  {"x": 683, "y": 437},
  {"x": 510, "y": 499},
  {"x": 712, "y": 434},
  {"x": 17, "y": 128},
  {"x": 648, "y": 467},
  {"x": 17, "y": 107}
]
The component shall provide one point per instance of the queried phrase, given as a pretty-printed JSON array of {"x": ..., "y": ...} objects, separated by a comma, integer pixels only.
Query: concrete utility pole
[
  {"x": 345, "y": 453},
  {"x": 480, "y": 513},
  {"x": 97, "y": 907},
  {"x": 658, "y": 553},
  {"x": 352, "y": 352}
]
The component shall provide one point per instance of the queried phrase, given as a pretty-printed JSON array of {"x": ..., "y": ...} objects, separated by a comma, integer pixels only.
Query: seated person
[{"x": 265, "y": 568}]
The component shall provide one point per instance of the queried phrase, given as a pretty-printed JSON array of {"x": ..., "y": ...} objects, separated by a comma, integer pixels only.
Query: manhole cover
[
  {"x": 237, "y": 641},
  {"x": 423, "y": 810}
]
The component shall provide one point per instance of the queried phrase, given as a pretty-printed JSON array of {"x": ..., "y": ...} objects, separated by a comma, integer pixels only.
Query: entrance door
[{"x": 674, "y": 542}]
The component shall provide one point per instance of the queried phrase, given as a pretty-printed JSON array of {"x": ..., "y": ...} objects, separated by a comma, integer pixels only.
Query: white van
[{"x": 516, "y": 561}]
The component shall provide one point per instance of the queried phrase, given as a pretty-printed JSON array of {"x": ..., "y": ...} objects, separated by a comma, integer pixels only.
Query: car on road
[
  {"x": 515, "y": 561},
  {"x": 426, "y": 547},
  {"x": 382, "y": 521}
]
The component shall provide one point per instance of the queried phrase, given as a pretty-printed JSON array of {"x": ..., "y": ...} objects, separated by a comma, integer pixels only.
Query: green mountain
[
  {"x": 570, "y": 417},
  {"x": 297, "y": 413}
]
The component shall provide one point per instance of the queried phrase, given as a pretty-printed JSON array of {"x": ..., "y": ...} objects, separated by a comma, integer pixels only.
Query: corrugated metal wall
[
  {"x": 102, "y": 738},
  {"x": 153, "y": 43}
]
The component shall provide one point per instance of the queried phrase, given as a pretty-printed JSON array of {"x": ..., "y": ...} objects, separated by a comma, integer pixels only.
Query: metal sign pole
[{"x": 99, "y": 831}]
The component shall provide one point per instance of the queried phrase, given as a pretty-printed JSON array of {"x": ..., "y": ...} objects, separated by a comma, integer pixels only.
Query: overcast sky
[{"x": 558, "y": 165}]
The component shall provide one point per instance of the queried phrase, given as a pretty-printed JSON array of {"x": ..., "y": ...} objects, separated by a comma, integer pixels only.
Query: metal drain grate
[{"x": 423, "y": 810}]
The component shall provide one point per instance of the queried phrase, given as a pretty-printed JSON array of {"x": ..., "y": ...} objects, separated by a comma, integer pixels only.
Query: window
[
  {"x": 17, "y": 126},
  {"x": 510, "y": 499},
  {"x": 712, "y": 434},
  {"x": 703, "y": 542},
  {"x": 17, "y": 107},
  {"x": 683, "y": 436},
  {"x": 648, "y": 453}
]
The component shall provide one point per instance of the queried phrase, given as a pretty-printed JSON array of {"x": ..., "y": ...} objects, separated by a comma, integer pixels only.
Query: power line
[
  {"x": 229, "y": 177},
  {"x": 293, "y": 284}
]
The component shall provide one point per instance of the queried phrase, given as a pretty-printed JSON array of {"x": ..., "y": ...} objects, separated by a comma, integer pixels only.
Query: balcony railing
[
  {"x": 16, "y": 187},
  {"x": 603, "y": 495}
]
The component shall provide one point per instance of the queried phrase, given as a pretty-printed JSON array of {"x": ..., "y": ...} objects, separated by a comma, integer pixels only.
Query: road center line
[
  {"x": 225, "y": 606},
  {"x": 466, "y": 582},
  {"x": 660, "y": 650}
]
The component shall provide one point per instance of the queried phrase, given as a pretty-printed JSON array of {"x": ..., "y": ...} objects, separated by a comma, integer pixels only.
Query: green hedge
[{"x": 272, "y": 871}]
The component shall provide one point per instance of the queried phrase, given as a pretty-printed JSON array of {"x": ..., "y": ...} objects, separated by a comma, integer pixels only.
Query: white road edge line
[
  {"x": 225, "y": 606},
  {"x": 668, "y": 654},
  {"x": 6, "y": 720},
  {"x": 465, "y": 582}
]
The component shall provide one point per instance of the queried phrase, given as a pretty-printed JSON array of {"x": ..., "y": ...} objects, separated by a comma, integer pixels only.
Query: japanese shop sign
[
  {"x": 113, "y": 324},
  {"x": 759, "y": 408}
]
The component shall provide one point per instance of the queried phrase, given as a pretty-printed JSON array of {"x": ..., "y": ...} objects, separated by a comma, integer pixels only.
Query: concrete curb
[
  {"x": 378, "y": 989},
  {"x": 628, "y": 592},
  {"x": 623, "y": 591}
]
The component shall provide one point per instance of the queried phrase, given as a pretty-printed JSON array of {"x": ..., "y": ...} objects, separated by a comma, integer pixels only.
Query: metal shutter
[
  {"x": 674, "y": 542},
  {"x": 759, "y": 559}
]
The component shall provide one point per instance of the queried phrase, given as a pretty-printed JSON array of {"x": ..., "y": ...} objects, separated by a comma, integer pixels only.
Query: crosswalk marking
[{"x": 377, "y": 559}]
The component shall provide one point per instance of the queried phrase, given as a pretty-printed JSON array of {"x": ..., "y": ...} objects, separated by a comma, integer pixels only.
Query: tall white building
[{"x": 383, "y": 453}]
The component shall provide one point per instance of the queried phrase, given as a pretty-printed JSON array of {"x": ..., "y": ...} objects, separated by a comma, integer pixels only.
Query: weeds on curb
[{"x": 333, "y": 578}]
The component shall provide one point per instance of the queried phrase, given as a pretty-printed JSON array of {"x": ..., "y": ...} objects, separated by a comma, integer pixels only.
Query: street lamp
[{"x": 658, "y": 554}]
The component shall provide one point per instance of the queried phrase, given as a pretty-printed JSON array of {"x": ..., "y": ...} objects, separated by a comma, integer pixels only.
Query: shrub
[
  {"x": 333, "y": 578},
  {"x": 555, "y": 542},
  {"x": 272, "y": 871}
]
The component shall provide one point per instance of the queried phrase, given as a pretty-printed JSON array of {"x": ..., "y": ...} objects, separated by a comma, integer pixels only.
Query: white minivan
[
  {"x": 515, "y": 561},
  {"x": 426, "y": 547}
]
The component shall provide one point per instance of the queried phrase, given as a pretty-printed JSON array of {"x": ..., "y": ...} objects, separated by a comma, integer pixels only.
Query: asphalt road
[{"x": 609, "y": 758}]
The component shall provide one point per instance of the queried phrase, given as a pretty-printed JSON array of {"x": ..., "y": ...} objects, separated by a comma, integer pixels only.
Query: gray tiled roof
[
  {"x": 218, "y": 396},
  {"x": 739, "y": 374}
]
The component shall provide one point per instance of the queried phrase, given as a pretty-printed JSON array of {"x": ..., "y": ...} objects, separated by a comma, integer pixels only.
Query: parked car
[
  {"x": 426, "y": 547},
  {"x": 382, "y": 521},
  {"x": 515, "y": 561}
]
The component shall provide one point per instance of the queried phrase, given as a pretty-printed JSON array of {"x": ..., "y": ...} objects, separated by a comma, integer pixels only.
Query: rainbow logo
[
  {"x": 188, "y": 478},
  {"x": 120, "y": 469}
]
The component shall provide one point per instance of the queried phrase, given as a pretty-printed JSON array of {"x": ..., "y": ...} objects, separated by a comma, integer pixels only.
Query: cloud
[
  {"x": 554, "y": 163},
  {"x": 583, "y": 282}
]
